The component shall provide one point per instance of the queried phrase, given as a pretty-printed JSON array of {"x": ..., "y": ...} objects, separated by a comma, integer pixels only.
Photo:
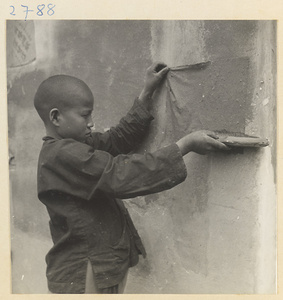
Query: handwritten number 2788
[{"x": 40, "y": 8}]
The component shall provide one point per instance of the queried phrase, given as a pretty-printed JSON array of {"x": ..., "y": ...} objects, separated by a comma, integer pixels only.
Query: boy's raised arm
[{"x": 131, "y": 129}]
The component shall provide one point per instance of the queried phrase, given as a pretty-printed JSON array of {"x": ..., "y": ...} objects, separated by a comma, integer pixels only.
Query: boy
[{"x": 81, "y": 173}]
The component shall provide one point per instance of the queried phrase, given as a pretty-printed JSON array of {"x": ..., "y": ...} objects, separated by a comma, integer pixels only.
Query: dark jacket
[{"x": 80, "y": 182}]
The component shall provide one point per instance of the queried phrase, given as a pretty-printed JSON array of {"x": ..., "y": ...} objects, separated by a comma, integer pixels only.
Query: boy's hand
[
  {"x": 201, "y": 142},
  {"x": 154, "y": 74}
]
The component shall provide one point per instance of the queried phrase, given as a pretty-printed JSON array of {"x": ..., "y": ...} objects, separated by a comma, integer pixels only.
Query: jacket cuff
[
  {"x": 177, "y": 171},
  {"x": 141, "y": 113}
]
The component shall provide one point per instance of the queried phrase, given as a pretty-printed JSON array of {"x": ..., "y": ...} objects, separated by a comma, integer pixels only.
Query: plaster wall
[{"x": 209, "y": 234}]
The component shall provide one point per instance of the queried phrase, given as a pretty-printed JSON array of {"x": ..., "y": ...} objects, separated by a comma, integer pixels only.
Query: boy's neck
[{"x": 52, "y": 133}]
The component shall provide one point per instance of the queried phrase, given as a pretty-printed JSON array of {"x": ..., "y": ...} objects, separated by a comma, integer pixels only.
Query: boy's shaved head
[{"x": 59, "y": 91}]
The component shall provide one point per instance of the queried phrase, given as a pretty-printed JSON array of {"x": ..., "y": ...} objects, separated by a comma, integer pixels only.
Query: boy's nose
[{"x": 90, "y": 124}]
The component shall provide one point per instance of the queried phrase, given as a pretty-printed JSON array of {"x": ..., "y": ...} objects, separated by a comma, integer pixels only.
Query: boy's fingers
[
  {"x": 222, "y": 146},
  {"x": 163, "y": 71},
  {"x": 212, "y": 134},
  {"x": 218, "y": 145},
  {"x": 158, "y": 66}
]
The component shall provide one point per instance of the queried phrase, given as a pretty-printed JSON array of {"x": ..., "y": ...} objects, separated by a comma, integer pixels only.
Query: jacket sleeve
[
  {"x": 81, "y": 171},
  {"x": 127, "y": 135}
]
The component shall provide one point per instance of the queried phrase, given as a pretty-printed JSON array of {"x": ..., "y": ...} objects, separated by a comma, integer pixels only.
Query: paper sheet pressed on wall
[
  {"x": 20, "y": 43},
  {"x": 209, "y": 95}
]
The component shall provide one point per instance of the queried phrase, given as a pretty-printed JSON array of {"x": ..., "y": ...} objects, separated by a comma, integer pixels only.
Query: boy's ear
[{"x": 54, "y": 115}]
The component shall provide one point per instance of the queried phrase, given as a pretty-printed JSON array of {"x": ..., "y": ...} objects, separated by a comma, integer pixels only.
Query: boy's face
[{"x": 76, "y": 120}]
